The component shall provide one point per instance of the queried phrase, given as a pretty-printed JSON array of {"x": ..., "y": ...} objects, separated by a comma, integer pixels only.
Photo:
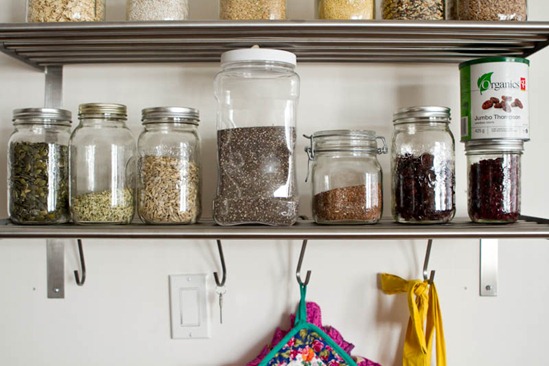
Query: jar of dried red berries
[
  {"x": 423, "y": 166},
  {"x": 493, "y": 174}
]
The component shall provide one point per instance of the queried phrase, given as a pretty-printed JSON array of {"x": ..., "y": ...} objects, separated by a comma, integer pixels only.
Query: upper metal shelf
[{"x": 46, "y": 44}]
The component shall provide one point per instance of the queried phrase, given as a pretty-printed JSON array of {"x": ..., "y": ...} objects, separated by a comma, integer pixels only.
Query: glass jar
[
  {"x": 252, "y": 10},
  {"x": 38, "y": 166},
  {"x": 413, "y": 9},
  {"x": 493, "y": 172},
  {"x": 157, "y": 10},
  {"x": 169, "y": 166},
  {"x": 103, "y": 168},
  {"x": 257, "y": 93},
  {"x": 65, "y": 11},
  {"x": 345, "y": 9},
  {"x": 347, "y": 177},
  {"x": 423, "y": 166},
  {"x": 492, "y": 10}
]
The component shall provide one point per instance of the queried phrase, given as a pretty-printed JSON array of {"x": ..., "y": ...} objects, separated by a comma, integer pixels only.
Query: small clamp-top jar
[
  {"x": 493, "y": 175},
  {"x": 38, "y": 166},
  {"x": 252, "y": 10},
  {"x": 169, "y": 171},
  {"x": 423, "y": 166},
  {"x": 65, "y": 10},
  {"x": 103, "y": 168},
  {"x": 257, "y": 93},
  {"x": 137, "y": 10},
  {"x": 347, "y": 177}
]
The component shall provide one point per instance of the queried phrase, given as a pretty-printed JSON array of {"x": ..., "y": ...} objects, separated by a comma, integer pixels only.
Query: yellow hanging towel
[{"x": 424, "y": 309}]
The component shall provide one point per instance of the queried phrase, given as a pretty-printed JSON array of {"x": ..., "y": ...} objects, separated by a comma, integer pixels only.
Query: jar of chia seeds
[
  {"x": 493, "y": 175},
  {"x": 423, "y": 166},
  {"x": 347, "y": 177},
  {"x": 103, "y": 168},
  {"x": 38, "y": 166},
  {"x": 252, "y": 10},
  {"x": 169, "y": 166},
  {"x": 413, "y": 9},
  {"x": 257, "y": 93}
]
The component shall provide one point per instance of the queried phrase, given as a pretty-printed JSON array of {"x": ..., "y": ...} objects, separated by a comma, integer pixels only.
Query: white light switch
[{"x": 189, "y": 308}]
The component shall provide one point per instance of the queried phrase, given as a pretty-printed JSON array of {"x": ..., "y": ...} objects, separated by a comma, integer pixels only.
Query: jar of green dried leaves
[
  {"x": 38, "y": 166},
  {"x": 103, "y": 166}
]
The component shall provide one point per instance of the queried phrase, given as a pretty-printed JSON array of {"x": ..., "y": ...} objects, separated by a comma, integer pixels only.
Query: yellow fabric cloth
[{"x": 424, "y": 311}]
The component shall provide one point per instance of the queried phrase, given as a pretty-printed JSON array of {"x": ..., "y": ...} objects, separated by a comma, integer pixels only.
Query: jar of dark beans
[
  {"x": 38, "y": 161},
  {"x": 493, "y": 175},
  {"x": 423, "y": 166},
  {"x": 347, "y": 177}
]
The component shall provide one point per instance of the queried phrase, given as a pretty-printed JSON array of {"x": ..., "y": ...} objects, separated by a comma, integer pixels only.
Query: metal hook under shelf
[
  {"x": 80, "y": 281},
  {"x": 426, "y": 263},
  {"x": 298, "y": 270},
  {"x": 223, "y": 268}
]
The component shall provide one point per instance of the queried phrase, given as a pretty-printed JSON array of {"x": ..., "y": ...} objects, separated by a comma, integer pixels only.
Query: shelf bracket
[
  {"x": 488, "y": 267},
  {"x": 53, "y": 93},
  {"x": 55, "y": 253}
]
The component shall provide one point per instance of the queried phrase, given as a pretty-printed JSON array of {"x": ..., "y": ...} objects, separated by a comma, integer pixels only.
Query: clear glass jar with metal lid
[
  {"x": 423, "y": 166},
  {"x": 252, "y": 10},
  {"x": 493, "y": 176},
  {"x": 38, "y": 166},
  {"x": 347, "y": 177},
  {"x": 345, "y": 9},
  {"x": 169, "y": 166},
  {"x": 65, "y": 11},
  {"x": 137, "y": 10},
  {"x": 103, "y": 166}
]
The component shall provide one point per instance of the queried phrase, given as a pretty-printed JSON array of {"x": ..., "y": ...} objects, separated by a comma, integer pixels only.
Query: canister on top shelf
[
  {"x": 413, "y": 9},
  {"x": 345, "y": 9},
  {"x": 493, "y": 175},
  {"x": 423, "y": 166},
  {"x": 65, "y": 10},
  {"x": 103, "y": 168},
  {"x": 257, "y": 93},
  {"x": 346, "y": 176},
  {"x": 38, "y": 166},
  {"x": 492, "y": 10},
  {"x": 169, "y": 166},
  {"x": 494, "y": 98},
  {"x": 157, "y": 10},
  {"x": 252, "y": 10}
]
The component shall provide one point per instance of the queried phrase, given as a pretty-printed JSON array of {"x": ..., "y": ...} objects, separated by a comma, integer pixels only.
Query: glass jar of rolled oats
[{"x": 65, "y": 11}]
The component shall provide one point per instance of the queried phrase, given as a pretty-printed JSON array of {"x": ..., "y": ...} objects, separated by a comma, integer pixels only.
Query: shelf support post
[
  {"x": 53, "y": 93},
  {"x": 488, "y": 267},
  {"x": 55, "y": 253}
]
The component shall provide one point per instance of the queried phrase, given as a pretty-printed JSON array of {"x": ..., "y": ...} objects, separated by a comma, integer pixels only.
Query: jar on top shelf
[
  {"x": 137, "y": 10},
  {"x": 65, "y": 11},
  {"x": 345, "y": 9},
  {"x": 252, "y": 10}
]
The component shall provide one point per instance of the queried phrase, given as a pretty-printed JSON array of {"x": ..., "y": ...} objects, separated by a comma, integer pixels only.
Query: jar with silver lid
[
  {"x": 103, "y": 167},
  {"x": 347, "y": 177},
  {"x": 493, "y": 176},
  {"x": 169, "y": 166},
  {"x": 65, "y": 11},
  {"x": 38, "y": 166},
  {"x": 137, "y": 10},
  {"x": 423, "y": 166}
]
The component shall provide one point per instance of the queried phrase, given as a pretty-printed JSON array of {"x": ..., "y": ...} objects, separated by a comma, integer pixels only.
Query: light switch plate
[{"x": 189, "y": 306}]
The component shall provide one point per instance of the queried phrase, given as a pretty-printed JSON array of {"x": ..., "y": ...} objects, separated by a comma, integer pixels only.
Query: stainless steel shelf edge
[{"x": 385, "y": 230}]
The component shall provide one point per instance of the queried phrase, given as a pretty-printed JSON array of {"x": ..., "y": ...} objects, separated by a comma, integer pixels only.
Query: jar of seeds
[
  {"x": 492, "y": 10},
  {"x": 157, "y": 10},
  {"x": 423, "y": 166},
  {"x": 345, "y": 9},
  {"x": 103, "y": 168},
  {"x": 413, "y": 9},
  {"x": 65, "y": 10},
  {"x": 257, "y": 93},
  {"x": 169, "y": 172},
  {"x": 252, "y": 10},
  {"x": 38, "y": 166},
  {"x": 347, "y": 177}
]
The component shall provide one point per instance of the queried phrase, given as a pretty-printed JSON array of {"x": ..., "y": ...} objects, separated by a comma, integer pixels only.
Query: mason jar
[
  {"x": 169, "y": 166},
  {"x": 103, "y": 168},
  {"x": 65, "y": 11},
  {"x": 493, "y": 180},
  {"x": 137, "y": 10},
  {"x": 345, "y": 9},
  {"x": 346, "y": 176},
  {"x": 252, "y": 10},
  {"x": 413, "y": 9},
  {"x": 514, "y": 10},
  {"x": 257, "y": 93},
  {"x": 38, "y": 166},
  {"x": 423, "y": 166}
]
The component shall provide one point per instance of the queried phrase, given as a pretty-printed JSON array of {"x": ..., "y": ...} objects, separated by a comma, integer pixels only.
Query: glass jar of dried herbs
[
  {"x": 423, "y": 166},
  {"x": 169, "y": 166},
  {"x": 347, "y": 177},
  {"x": 38, "y": 166},
  {"x": 103, "y": 166}
]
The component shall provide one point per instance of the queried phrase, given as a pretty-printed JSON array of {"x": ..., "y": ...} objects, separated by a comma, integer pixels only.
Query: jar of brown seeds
[
  {"x": 492, "y": 10},
  {"x": 65, "y": 10},
  {"x": 168, "y": 191},
  {"x": 252, "y": 9},
  {"x": 413, "y": 9}
]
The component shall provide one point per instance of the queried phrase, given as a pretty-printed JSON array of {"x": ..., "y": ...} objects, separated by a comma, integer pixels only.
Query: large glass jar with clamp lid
[{"x": 347, "y": 177}]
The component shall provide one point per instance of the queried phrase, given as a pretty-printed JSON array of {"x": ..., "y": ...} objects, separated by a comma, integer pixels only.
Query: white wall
[{"x": 121, "y": 315}]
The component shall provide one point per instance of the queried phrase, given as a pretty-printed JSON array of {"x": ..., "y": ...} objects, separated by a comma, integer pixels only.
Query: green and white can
[{"x": 494, "y": 98}]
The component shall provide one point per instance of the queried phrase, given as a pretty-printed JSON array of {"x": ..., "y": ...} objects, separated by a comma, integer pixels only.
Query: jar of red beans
[
  {"x": 493, "y": 174},
  {"x": 423, "y": 166}
]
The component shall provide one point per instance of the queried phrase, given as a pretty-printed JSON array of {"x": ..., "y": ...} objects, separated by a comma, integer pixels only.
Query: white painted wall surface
[{"x": 121, "y": 315}]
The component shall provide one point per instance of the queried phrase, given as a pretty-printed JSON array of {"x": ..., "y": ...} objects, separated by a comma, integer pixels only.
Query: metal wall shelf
[{"x": 54, "y": 44}]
